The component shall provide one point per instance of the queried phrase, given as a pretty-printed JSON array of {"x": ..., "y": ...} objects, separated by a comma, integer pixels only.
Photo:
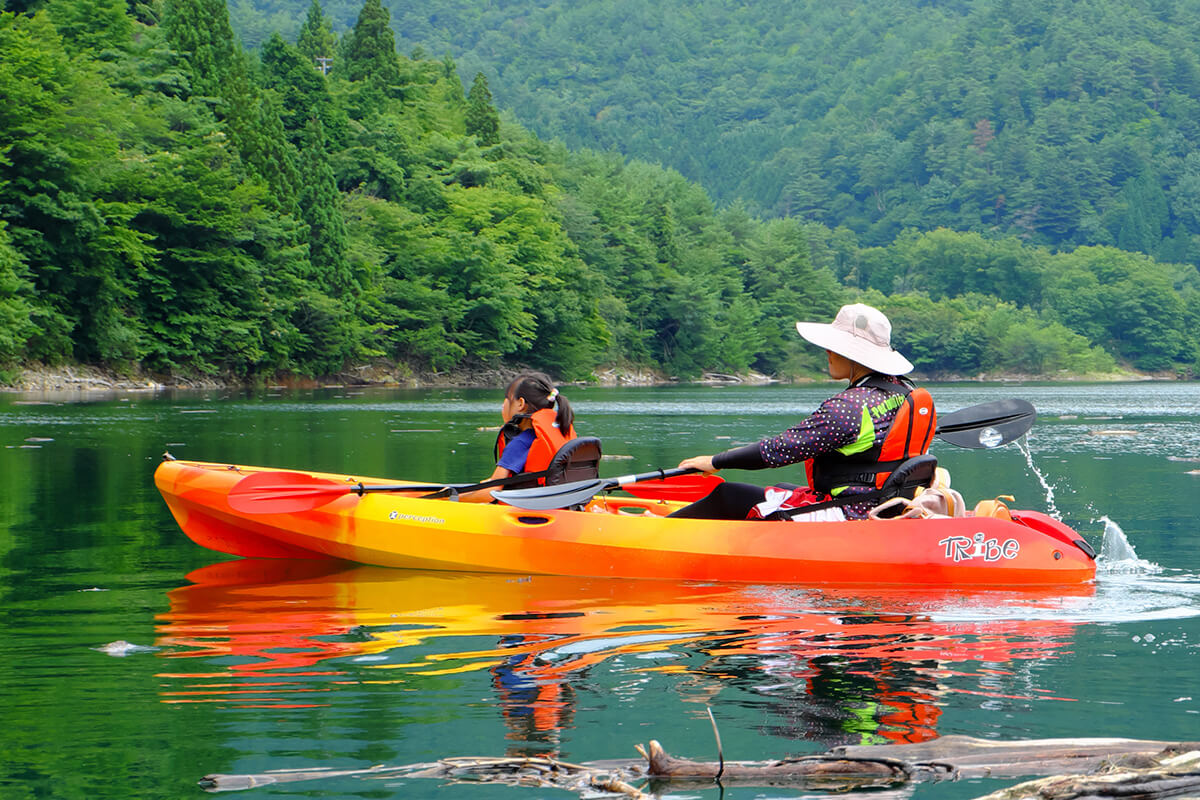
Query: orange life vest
[
  {"x": 547, "y": 439},
  {"x": 909, "y": 434}
]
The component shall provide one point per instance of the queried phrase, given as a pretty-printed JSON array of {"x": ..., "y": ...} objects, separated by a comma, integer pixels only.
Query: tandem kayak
[{"x": 612, "y": 536}]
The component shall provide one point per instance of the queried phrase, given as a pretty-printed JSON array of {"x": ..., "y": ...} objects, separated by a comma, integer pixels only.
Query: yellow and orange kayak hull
[{"x": 620, "y": 537}]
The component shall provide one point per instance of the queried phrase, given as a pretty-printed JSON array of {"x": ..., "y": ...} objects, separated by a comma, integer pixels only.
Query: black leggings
[{"x": 727, "y": 501}]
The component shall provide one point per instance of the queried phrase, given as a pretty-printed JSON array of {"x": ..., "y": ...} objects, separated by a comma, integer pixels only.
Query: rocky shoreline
[
  {"x": 84, "y": 379},
  {"x": 88, "y": 379}
]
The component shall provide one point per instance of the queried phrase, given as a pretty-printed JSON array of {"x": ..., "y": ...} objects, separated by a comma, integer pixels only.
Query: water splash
[
  {"x": 1117, "y": 556},
  {"x": 1051, "y": 508}
]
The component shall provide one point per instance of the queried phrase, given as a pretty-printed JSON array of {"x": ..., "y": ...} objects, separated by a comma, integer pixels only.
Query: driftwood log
[
  {"x": 1079, "y": 769},
  {"x": 1175, "y": 776}
]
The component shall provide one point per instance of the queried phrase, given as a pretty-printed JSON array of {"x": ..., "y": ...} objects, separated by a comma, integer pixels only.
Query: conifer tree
[
  {"x": 275, "y": 157},
  {"x": 371, "y": 52},
  {"x": 200, "y": 30},
  {"x": 1146, "y": 213},
  {"x": 482, "y": 120},
  {"x": 301, "y": 90},
  {"x": 321, "y": 208},
  {"x": 317, "y": 42}
]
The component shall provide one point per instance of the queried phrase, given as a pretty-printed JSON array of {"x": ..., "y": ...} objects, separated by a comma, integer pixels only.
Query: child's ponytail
[{"x": 539, "y": 392}]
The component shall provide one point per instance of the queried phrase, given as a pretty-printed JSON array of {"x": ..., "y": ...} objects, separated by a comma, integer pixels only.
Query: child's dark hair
[{"x": 538, "y": 391}]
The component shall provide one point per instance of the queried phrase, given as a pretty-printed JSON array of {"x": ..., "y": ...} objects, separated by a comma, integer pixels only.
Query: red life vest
[
  {"x": 909, "y": 434},
  {"x": 547, "y": 439}
]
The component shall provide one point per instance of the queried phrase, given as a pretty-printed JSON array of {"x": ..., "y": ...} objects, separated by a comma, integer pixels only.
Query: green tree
[
  {"x": 302, "y": 91},
  {"x": 1126, "y": 303},
  {"x": 202, "y": 220},
  {"x": 317, "y": 42},
  {"x": 200, "y": 30},
  {"x": 482, "y": 120},
  {"x": 59, "y": 151},
  {"x": 370, "y": 58},
  {"x": 95, "y": 25},
  {"x": 1146, "y": 214},
  {"x": 16, "y": 309},
  {"x": 781, "y": 277},
  {"x": 321, "y": 209}
]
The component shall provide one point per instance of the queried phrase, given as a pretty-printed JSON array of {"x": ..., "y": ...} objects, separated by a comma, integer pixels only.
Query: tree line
[
  {"x": 174, "y": 202},
  {"x": 1063, "y": 122}
]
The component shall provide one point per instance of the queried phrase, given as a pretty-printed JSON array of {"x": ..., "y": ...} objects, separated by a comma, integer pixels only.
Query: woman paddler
[
  {"x": 537, "y": 421},
  {"x": 849, "y": 445}
]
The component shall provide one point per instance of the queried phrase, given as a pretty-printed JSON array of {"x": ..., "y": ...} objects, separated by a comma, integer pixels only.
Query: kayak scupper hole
[{"x": 530, "y": 520}]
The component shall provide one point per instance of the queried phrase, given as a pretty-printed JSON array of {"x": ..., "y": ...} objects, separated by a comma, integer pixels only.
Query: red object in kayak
[{"x": 616, "y": 537}]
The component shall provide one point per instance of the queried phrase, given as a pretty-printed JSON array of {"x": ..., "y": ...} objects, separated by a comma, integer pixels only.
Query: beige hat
[{"x": 862, "y": 334}]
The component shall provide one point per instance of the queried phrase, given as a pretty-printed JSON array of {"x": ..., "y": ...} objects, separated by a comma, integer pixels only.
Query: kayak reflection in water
[
  {"x": 849, "y": 445},
  {"x": 536, "y": 698},
  {"x": 538, "y": 420},
  {"x": 847, "y": 700}
]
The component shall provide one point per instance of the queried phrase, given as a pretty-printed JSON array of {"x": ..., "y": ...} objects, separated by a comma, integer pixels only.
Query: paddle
[
  {"x": 541, "y": 498},
  {"x": 292, "y": 492},
  {"x": 688, "y": 487},
  {"x": 987, "y": 425},
  {"x": 982, "y": 426}
]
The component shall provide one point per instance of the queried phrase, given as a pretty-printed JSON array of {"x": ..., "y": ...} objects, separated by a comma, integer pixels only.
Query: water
[{"x": 235, "y": 667}]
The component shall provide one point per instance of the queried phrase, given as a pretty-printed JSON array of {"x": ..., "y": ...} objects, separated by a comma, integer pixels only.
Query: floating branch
[{"x": 1098, "y": 768}]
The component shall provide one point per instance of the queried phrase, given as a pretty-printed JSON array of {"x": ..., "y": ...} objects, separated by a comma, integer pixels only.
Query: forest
[
  {"x": 179, "y": 200},
  {"x": 1064, "y": 122}
]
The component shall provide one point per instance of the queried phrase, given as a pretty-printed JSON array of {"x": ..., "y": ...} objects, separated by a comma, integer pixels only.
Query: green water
[{"x": 247, "y": 668}]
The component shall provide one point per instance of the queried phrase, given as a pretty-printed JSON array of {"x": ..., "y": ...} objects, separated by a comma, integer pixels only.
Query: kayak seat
[
  {"x": 577, "y": 460},
  {"x": 917, "y": 472}
]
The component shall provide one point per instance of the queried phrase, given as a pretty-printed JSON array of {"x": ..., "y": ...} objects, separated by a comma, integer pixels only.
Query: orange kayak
[{"x": 618, "y": 537}]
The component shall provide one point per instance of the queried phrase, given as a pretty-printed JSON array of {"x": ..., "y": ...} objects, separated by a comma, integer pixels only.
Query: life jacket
[
  {"x": 908, "y": 435},
  {"x": 547, "y": 439}
]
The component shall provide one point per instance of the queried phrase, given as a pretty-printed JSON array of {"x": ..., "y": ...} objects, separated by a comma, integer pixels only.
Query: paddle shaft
[
  {"x": 365, "y": 488},
  {"x": 288, "y": 492},
  {"x": 658, "y": 474}
]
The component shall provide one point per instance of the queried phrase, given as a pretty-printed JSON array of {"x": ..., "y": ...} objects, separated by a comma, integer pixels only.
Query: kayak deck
[{"x": 619, "y": 537}]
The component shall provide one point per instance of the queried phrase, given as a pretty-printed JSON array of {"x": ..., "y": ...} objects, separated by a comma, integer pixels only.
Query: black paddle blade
[
  {"x": 987, "y": 425},
  {"x": 544, "y": 498}
]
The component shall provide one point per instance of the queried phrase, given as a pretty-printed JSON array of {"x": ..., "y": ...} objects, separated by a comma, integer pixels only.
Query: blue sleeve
[{"x": 516, "y": 452}]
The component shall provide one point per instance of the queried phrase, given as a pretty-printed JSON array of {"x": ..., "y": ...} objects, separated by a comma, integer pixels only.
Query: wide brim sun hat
[{"x": 862, "y": 334}]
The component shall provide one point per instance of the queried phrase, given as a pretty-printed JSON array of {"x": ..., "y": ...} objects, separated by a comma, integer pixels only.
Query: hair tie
[{"x": 553, "y": 394}]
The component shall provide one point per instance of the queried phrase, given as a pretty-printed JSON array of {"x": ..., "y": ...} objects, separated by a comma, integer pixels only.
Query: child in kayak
[
  {"x": 537, "y": 421},
  {"x": 849, "y": 445}
]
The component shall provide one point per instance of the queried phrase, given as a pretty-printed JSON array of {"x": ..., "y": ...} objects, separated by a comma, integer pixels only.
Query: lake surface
[{"x": 243, "y": 667}]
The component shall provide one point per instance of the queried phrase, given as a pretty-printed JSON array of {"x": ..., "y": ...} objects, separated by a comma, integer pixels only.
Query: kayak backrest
[
  {"x": 577, "y": 460},
  {"x": 912, "y": 474}
]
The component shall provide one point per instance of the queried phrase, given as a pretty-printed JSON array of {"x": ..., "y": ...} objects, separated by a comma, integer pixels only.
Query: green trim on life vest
[{"x": 866, "y": 430}]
